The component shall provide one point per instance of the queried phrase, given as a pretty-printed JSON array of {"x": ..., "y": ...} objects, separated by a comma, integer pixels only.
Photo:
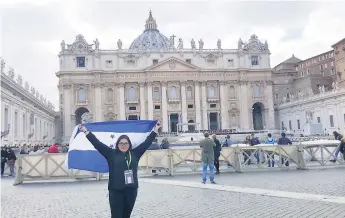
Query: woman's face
[{"x": 123, "y": 145}]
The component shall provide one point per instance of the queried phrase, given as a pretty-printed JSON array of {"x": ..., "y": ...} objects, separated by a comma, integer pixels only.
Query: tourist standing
[
  {"x": 284, "y": 141},
  {"x": 227, "y": 142},
  {"x": 270, "y": 141},
  {"x": 207, "y": 157},
  {"x": 338, "y": 137},
  {"x": 11, "y": 159},
  {"x": 217, "y": 150},
  {"x": 123, "y": 170},
  {"x": 3, "y": 159}
]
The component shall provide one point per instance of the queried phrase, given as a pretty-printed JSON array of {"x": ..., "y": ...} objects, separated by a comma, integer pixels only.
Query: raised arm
[
  {"x": 140, "y": 150},
  {"x": 102, "y": 148}
]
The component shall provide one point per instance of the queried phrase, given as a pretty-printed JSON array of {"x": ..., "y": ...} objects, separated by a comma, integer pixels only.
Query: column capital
[
  {"x": 149, "y": 83},
  {"x": 142, "y": 84},
  {"x": 163, "y": 83},
  {"x": 203, "y": 83},
  {"x": 121, "y": 84},
  {"x": 222, "y": 83},
  {"x": 183, "y": 83},
  {"x": 196, "y": 82}
]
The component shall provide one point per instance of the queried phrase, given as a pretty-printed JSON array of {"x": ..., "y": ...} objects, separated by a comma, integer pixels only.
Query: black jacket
[{"x": 117, "y": 161}]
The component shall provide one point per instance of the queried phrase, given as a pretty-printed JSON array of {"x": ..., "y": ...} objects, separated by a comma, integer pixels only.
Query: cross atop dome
[{"x": 150, "y": 23}]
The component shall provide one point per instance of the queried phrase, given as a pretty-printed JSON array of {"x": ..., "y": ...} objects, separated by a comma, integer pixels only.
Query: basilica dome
[{"x": 151, "y": 38}]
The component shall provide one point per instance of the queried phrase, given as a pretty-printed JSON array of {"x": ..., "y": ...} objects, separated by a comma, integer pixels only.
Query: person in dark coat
[
  {"x": 284, "y": 141},
  {"x": 11, "y": 160},
  {"x": 217, "y": 150},
  {"x": 123, "y": 170},
  {"x": 339, "y": 137},
  {"x": 4, "y": 155}
]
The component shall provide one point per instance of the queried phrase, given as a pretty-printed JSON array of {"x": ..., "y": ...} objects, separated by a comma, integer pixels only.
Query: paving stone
[{"x": 89, "y": 198}]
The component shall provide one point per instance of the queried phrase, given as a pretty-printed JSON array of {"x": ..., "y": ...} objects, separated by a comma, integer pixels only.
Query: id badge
[{"x": 129, "y": 177}]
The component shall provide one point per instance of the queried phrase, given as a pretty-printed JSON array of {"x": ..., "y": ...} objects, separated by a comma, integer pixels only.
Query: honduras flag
[{"x": 83, "y": 156}]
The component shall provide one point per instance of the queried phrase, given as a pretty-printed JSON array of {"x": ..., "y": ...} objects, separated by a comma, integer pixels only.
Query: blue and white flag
[{"x": 83, "y": 156}]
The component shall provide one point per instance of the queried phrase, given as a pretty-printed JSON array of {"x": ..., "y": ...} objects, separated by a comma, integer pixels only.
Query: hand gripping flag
[{"x": 83, "y": 156}]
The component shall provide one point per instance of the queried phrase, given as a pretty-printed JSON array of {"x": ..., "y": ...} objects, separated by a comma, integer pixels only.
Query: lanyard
[{"x": 130, "y": 160}]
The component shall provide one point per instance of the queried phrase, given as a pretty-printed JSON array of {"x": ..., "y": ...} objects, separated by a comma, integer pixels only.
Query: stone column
[
  {"x": 269, "y": 120},
  {"x": 67, "y": 95},
  {"x": 204, "y": 106},
  {"x": 184, "y": 106},
  {"x": 97, "y": 108},
  {"x": 142, "y": 101},
  {"x": 224, "y": 106},
  {"x": 246, "y": 119},
  {"x": 164, "y": 108},
  {"x": 197, "y": 106},
  {"x": 122, "y": 103},
  {"x": 149, "y": 101}
]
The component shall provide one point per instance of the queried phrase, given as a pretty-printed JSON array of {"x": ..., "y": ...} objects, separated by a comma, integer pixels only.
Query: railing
[{"x": 183, "y": 161}]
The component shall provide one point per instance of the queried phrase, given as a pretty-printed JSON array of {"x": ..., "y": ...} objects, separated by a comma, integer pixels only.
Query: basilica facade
[{"x": 160, "y": 78}]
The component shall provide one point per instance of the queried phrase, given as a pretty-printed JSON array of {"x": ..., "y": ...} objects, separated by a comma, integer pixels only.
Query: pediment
[{"x": 172, "y": 64}]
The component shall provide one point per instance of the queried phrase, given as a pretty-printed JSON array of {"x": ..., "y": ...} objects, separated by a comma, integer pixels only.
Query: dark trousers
[
  {"x": 216, "y": 163},
  {"x": 122, "y": 202},
  {"x": 3, "y": 161}
]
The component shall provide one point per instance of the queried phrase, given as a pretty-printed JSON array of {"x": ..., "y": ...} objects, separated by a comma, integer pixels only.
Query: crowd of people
[
  {"x": 211, "y": 149},
  {"x": 9, "y": 154}
]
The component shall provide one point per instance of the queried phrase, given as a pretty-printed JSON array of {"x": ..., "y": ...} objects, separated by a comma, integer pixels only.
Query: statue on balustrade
[
  {"x": 63, "y": 45},
  {"x": 240, "y": 44},
  {"x": 96, "y": 44},
  {"x": 192, "y": 43},
  {"x": 119, "y": 44},
  {"x": 201, "y": 44},
  {"x": 219, "y": 44},
  {"x": 11, "y": 73},
  {"x": 292, "y": 97},
  {"x": 180, "y": 44}
]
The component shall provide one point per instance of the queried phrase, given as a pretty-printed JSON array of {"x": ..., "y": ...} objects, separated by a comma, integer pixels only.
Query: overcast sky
[{"x": 31, "y": 31}]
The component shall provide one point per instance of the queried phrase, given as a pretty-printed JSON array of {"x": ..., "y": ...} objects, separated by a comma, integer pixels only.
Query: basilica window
[
  {"x": 110, "y": 95},
  {"x": 189, "y": 61},
  {"x": 331, "y": 121},
  {"x": 81, "y": 95},
  {"x": 156, "y": 95},
  {"x": 230, "y": 62},
  {"x": 80, "y": 61},
  {"x": 132, "y": 94},
  {"x": 256, "y": 91},
  {"x": 155, "y": 61},
  {"x": 189, "y": 93},
  {"x": 61, "y": 98},
  {"x": 211, "y": 92},
  {"x": 255, "y": 60},
  {"x": 108, "y": 63},
  {"x": 173, "y": 92}
]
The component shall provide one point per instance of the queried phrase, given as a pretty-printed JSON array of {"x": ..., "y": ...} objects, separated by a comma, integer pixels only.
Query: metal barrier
[{"x": 182, "y": 161}]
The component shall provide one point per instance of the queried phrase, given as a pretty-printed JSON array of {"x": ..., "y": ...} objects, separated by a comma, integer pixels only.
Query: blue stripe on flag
[{"x": 87, "y": 160}]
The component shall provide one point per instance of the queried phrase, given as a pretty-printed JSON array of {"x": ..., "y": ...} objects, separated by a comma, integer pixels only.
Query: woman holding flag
[{"x": 123, "y": 170}]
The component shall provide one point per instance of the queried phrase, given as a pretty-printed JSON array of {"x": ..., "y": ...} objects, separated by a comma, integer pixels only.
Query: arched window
[
  {"x": 156, "y": 95},
  {"x": 81, "y": 94},
  {"x": 189, "y": 93},
  {"x": 61, "y": 98},
  {"x": 232, "y": 92},
  {"x": 173, "y": 92},
  {"x": 211, "y": 91},
  {"x": 110, "y": 95},
  {"x": 256, "y": 91},
  {"x": 132, "y": 94}
]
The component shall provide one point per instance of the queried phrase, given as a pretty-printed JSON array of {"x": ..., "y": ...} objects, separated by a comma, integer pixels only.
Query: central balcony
[
  {"x": 174, "y": 100},
  {"x": 213, "y": 99},
  {"x": 82, "y": 103},
  {"x": 132, "y": 101}
]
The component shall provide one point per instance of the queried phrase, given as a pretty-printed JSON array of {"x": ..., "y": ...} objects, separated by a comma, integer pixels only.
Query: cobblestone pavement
[
  {"x": 89, "y": 198},
  {"x": 328, "y": 181}
]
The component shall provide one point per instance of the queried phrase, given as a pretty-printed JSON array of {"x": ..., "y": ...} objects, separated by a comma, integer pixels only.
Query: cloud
[{"x": 31, "y": 31}]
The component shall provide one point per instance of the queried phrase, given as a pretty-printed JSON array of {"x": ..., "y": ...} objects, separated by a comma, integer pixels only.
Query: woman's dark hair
[
  {"x": 123, "y": 137},
  {"x": 269, "y": 135},
  {"x": 35, "y": 148}
]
